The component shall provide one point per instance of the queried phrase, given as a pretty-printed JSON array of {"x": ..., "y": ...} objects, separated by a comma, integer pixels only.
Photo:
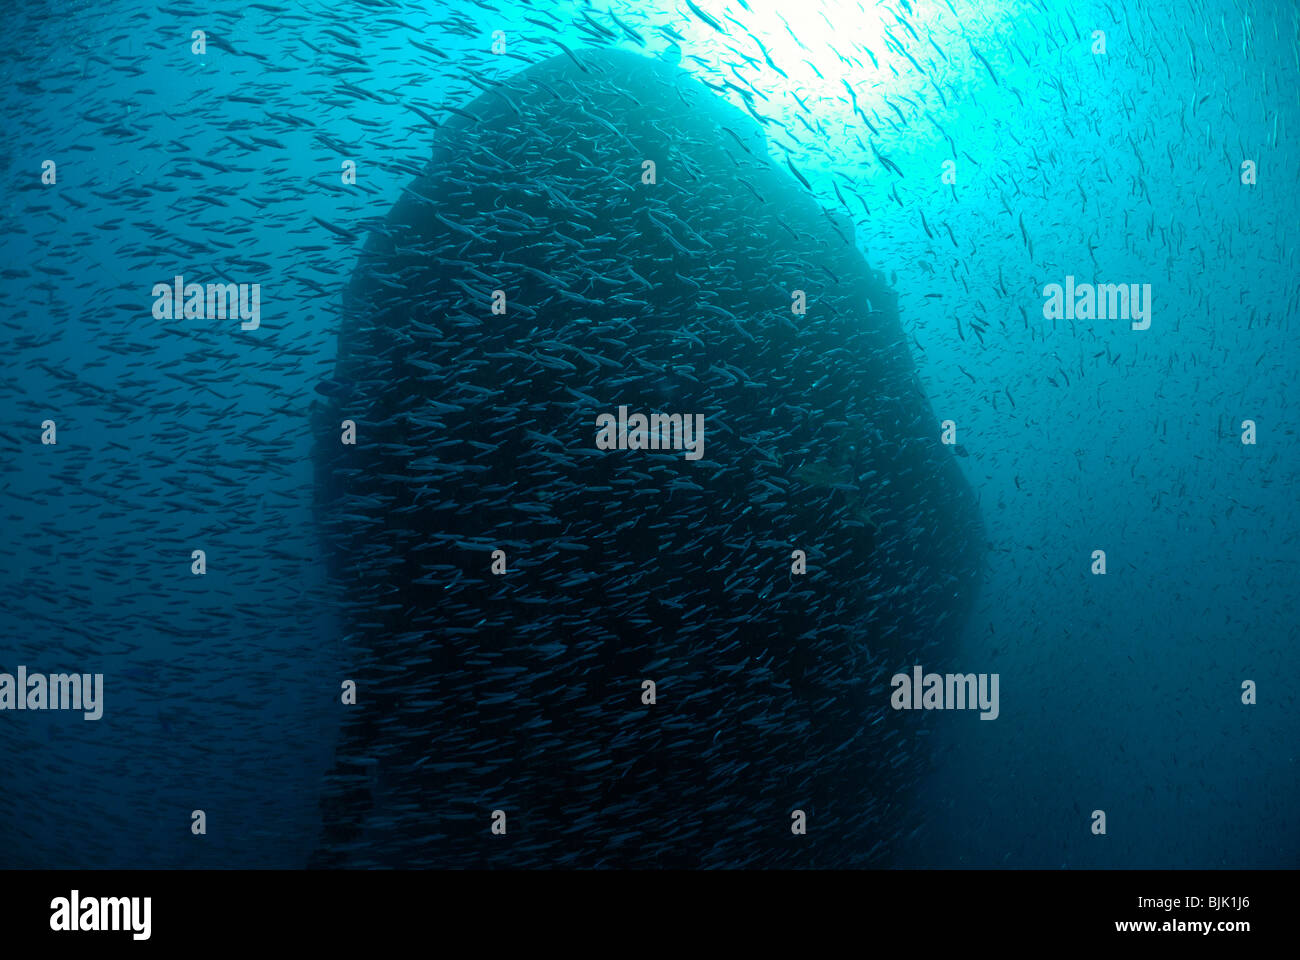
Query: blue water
[{"x": 1120, "y": 692}]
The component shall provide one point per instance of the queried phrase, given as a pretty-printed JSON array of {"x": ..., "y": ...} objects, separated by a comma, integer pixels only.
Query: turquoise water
[{"x": 980, "y": 152}]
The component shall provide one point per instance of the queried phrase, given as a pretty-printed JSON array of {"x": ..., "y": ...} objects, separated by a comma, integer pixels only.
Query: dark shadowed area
[{"x": 476, "y": 431}]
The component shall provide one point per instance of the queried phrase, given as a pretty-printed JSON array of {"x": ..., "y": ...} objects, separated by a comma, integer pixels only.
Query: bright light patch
[{"x": 840, "y": 59}]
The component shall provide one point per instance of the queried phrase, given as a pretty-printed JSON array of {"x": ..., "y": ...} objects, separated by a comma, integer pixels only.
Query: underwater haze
[{"x": 982, "y": 315}]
